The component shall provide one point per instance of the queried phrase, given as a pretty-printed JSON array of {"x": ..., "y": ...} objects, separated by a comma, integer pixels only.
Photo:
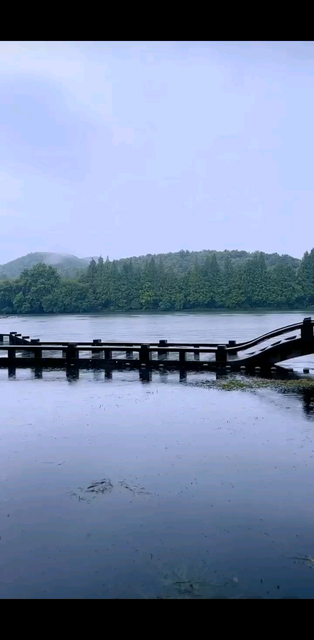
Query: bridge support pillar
[
  {"x": 196, "y": 353},
  {"x": 97, "y": 353},
  {"x": 72, "y": 352},
  {"x": 129, "y": 353},
  {"x": 11, "y": 354},
  {"x": 162, "y": 355},
  {"x": 221, "y": 355},
  {"x": 37, "y": 353},
  {"x": 144, "y": 354},
  {"x": 307, "y": 329},
  {"x": 232, "y": 343}
]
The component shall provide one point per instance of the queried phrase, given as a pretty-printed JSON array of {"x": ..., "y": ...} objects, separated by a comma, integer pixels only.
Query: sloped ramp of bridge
[{"x": 291, "y": 341}]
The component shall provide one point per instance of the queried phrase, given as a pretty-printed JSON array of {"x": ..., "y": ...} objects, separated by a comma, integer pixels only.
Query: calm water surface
[{"x": 115, "y": 488}]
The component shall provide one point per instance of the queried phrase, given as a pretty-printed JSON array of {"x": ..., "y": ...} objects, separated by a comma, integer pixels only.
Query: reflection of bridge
[{"x": 293, "y": 341}]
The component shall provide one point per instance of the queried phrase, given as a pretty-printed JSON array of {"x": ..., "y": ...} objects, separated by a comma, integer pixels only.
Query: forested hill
[
  {"x": 170, "y": 282},
  {"x": 69, "y": 266},
  {"x": 182, "y": 261}
]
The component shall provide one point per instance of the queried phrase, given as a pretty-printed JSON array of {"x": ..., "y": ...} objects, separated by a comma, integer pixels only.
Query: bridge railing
[
  {"x": 162, "y": 346},
  {"x": 241, "y": 346}
]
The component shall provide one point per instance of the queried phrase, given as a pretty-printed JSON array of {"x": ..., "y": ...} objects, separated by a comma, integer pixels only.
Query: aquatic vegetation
[
  {"x": 106, "y": 486},
  {"x": 308, "y": 560},
  {"x": 191, "y": 582},
  {"x": 135, "y": 489},
  {"x": 102, "y": 486},
  {"x": 252, "y": 384}
]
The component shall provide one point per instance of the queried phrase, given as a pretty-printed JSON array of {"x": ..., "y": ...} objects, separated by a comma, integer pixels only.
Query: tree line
[{"x": 130, "y": 285}]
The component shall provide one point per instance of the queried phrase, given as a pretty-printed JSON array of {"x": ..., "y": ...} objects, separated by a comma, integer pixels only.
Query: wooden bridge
[{"x": 262, "y": 353}]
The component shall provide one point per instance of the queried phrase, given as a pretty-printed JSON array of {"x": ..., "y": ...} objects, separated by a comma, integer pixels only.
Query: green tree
[{"x": 33, "y": 286}]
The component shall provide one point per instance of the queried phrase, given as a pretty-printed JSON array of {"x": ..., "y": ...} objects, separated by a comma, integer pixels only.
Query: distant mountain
[{"x": 67, "y": 264}]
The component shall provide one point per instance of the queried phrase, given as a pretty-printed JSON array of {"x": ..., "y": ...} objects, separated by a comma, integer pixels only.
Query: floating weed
[
  {"x": 106, "y": 486},
  {"x": 252, "y": 384},
  {"x": 308, "y": 560},
  {"x": 190, "y": 582}
]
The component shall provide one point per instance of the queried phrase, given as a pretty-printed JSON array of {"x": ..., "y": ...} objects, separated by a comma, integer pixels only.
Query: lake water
[{"x": 115, "y": 488}]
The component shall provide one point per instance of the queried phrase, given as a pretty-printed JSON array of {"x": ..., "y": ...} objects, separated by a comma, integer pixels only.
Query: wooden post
[
  {"x": 196, "y": 353},
  {"x": 12, "y": 337},
  {"x": 38, "y": 353},
  {"x": 108, "y": 374},
  {"x": 36, "y": 341},
  {"x": 11, "y": 354},
  {"x": 25, "y": 340},
  {"x": 182, "y": 357},
  {"x": 163, "y": 355},
  {"x": 144, "y": 354},
  {"x": 307, "y": 329},
  {"x": 182, "y": 375},
  {"x": 97, "y": 353},
  {"x": 129, "y": 353},
  {"x": 72, "y": 353},
  {"x": 232, "y": 343},
  {"x": 1, "y": 337},
  {"x": 221, "y": 355},
  {"x": 108, "y": 354}
]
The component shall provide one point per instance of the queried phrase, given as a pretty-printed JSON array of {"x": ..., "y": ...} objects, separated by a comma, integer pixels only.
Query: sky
[{"x": 127, "y": 148}]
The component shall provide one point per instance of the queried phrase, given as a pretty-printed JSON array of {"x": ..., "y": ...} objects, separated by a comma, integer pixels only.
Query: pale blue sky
[{"x": 127, "y": 148}]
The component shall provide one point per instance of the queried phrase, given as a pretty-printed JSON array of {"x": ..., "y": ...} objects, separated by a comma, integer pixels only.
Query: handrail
[
  {"x": 97, "y": 347},
  {"x": 241, "y": 346}
]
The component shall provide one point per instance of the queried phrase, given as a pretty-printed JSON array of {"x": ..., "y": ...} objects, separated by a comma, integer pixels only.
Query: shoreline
[{"x": 139, "y": 312}]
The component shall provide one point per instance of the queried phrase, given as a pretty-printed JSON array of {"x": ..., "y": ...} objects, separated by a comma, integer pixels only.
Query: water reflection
[
  {"x": 308, "y": 403},
  {"x": 145, "y": 375},
  {"x": 72, "y": 374},
  {"x": 12, "y": 373}
]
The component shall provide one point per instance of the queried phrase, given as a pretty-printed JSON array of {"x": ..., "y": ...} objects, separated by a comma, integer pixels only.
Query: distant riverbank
[{"x": 159, "y": 312}]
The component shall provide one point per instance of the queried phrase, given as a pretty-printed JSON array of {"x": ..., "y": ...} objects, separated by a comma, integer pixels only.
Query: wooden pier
[{"x": 261, "y": 353}]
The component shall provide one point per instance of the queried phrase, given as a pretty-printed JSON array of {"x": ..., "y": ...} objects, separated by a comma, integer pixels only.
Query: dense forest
[{"x": 203, "y": 281}]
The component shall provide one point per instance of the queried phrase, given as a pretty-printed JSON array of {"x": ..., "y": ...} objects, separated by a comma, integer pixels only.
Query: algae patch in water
[
  {"x": 252, "y": 384},
  {"x": 192, "y": 582}
]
